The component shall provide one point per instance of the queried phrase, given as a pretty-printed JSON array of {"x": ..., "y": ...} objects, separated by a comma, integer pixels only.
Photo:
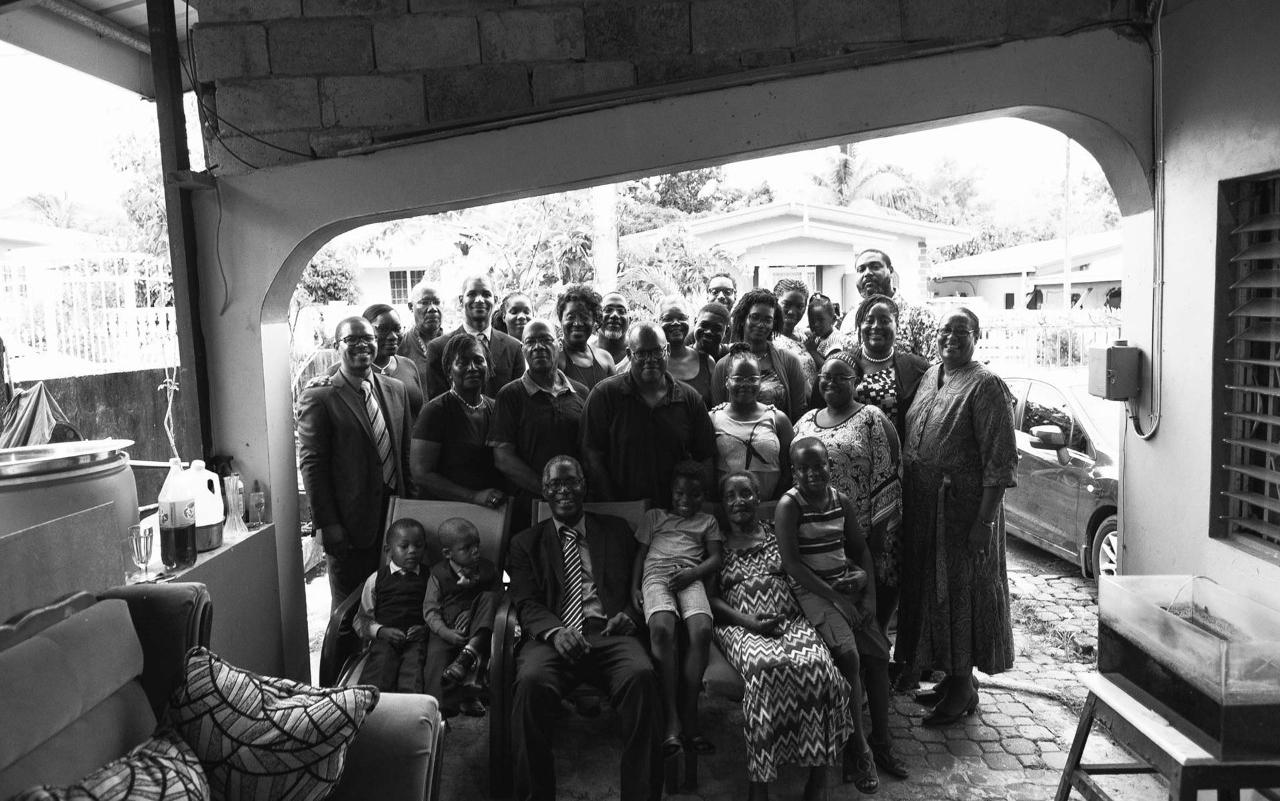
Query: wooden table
[{"x": 1160, "y": 746}]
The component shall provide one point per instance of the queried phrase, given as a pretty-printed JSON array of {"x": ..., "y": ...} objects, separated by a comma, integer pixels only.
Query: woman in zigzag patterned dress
[{"x": 795, "y": 701}]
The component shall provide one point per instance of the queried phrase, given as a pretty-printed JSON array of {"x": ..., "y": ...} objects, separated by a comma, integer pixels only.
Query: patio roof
[{"x": 104, "y": 38}]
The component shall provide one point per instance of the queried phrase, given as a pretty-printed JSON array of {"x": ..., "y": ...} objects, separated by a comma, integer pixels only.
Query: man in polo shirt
[
  {"x": 638, "y": 425},
  {"x": 537, "y": 415}
]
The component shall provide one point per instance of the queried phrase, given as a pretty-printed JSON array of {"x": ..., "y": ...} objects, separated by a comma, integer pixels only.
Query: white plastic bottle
[
  {"x": 208, "y": 494},
  {"x": 177, "y": 519}
]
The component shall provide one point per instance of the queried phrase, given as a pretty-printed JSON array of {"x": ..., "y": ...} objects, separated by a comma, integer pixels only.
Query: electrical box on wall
[{"x": 1114, "y": 371}]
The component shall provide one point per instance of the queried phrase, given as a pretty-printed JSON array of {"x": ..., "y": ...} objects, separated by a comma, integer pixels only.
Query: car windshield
[{"x": 1105, "y": 415}]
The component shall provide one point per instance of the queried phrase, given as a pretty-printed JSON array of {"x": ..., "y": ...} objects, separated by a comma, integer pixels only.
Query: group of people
[{"x": 886, "y": 446}]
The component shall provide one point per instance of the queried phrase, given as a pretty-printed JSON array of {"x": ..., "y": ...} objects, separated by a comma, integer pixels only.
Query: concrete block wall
[{"x": 291, "y": 80}]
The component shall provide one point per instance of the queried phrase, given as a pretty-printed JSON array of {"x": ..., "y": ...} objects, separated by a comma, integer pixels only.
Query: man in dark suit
[
  {"x": 353, "y": 428},
  {"x": 569, "y": 582},
  {"x": 502, "y": 352}
]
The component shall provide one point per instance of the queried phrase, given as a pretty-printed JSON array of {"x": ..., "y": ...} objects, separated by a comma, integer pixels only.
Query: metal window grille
[
  {"x": 399, "y": 287},
  {"x": 1252, "y": 390}
]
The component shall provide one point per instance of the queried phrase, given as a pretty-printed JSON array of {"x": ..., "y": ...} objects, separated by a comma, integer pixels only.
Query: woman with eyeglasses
[
  {"x": 959, "y": 456},
  {"x": 756, "y": 319},
  {"x": 751, "y": 435},
  {"x": 863, "y": 448},
  {"x": 886, "y": 376},
  {"x": 450, "y": 456},
  {"x": 386, "y": 326}
]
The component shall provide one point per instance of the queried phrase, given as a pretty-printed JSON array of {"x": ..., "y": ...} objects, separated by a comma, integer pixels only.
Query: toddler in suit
[
  {"x": 461, "y": 598},
  {"x": 390, "y": 618}
]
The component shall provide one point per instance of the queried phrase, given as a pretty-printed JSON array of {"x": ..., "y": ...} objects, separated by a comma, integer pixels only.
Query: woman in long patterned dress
[
  {"x": 960, "y": 456},
  {"x": 794, "y": 704}
]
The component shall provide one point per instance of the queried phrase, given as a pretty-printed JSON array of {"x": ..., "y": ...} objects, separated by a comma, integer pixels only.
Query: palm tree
[
  {"x": 849, "y": 177},
  {"x": 57, "y": 210}
]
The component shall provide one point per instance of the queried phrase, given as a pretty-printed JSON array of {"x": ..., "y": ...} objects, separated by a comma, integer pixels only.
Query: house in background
[
  {"x": 1030, "y": 276},
  {"x": 816, "y": 243}
]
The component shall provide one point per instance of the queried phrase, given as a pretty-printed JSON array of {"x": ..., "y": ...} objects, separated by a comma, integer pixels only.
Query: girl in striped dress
[{"x": 827, "y": 558}]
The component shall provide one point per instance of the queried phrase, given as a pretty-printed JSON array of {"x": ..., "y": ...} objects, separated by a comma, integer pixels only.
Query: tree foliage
[{"x": 676, "y": 265}]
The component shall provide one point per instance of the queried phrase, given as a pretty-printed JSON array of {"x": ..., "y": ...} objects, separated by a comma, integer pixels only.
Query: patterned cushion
[
  {"x": 163, "y": 768},
  {"x": 265, "y": 738}
]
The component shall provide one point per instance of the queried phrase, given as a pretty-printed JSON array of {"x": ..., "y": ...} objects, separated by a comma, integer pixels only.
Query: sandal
[
  {"x": 671, "y": 746},
  {"x": 889, "y": 762},
  {"x": 860, "y": 771},
  {"x": 699, "y": 744}
]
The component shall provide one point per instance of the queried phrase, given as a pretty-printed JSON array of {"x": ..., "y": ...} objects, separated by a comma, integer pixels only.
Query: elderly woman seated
[{"x": 795, "y": 700}]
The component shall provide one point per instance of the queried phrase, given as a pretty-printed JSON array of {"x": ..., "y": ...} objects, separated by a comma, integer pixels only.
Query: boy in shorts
[{"x": 679, "y": 549}]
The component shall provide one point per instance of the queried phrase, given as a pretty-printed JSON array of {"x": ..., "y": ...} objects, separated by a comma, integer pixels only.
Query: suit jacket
[
  {"x": 909, "y": 369},
  {"x": 506, "y": 363},
  {"x": 339, "y": 460},
  {"x": 535, "y": 563}
]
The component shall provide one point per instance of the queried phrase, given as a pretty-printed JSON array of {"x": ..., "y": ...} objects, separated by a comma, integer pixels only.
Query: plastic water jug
[
  {"x": 177, "y": 519},
  {"x": 207, "y": 488}
]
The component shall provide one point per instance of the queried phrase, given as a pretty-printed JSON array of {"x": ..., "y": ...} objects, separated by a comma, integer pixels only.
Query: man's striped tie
[
  {"x": 380, "y": 436},
  {"x": 571, "y": 609}
]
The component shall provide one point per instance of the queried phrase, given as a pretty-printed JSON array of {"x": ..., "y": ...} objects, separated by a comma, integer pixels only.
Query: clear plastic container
[{"x": 1207, "y": 653}]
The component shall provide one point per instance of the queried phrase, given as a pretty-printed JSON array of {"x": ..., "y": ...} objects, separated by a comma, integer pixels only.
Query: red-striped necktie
[
  {"x": 381, "y": 437},
  {"x": 571, "y": 609}
]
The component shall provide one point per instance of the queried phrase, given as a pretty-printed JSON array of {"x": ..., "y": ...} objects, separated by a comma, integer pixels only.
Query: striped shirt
[{"x": 821, "y": 536}]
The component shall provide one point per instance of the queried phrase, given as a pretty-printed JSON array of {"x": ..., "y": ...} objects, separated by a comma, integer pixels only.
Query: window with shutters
[{"x": 1249, "y": 394}]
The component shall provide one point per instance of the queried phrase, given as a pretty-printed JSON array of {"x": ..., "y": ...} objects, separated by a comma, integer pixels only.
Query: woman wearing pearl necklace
[{"x": 886, "y": 377}]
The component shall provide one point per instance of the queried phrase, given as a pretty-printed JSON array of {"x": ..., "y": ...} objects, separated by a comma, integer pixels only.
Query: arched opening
[{"x": 259, "y": 231}]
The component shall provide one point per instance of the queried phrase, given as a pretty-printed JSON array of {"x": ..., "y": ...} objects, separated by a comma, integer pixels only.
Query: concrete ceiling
[{"x": 103, "y": 38}]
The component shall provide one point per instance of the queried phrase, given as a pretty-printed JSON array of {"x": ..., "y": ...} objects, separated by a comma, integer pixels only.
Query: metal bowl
[{"x": 35, "y": 460}]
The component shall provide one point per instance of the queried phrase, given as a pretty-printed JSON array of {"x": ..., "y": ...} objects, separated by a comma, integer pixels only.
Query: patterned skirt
[{"x": 796, "y": 700}]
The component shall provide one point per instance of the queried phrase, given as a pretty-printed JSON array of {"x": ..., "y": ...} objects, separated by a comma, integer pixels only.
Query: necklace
[
  {"x": 869, "y": 358},
  {"x": 477, "y": 407}
]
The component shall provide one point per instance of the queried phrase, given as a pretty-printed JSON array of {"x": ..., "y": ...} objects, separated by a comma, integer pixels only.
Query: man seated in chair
[{"x": 570, "y": 577}]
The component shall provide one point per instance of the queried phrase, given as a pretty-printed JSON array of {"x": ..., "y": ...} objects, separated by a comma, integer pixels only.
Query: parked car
[{"x": 1067, "y": 498}]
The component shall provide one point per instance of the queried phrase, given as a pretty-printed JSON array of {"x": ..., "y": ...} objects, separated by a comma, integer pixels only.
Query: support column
[{"x": 193, "y": 376}]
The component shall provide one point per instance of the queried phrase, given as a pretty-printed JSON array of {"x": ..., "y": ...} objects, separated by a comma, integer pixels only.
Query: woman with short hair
[
  {"x": 450, "y": 457},
  {"x": 886, "y": 376},
  {"x": 794, "y": 703},
  {"x": 684, "y": 363},
  {"x": 960, "y": 454},
  {"x": 756, "y": 319},
  {"x": 512, "y": 314},
  {"x": 578, "y": 311}
]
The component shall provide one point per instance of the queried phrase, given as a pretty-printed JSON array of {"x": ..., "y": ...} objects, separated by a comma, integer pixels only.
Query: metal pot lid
[{"x": 34, "y": 460}]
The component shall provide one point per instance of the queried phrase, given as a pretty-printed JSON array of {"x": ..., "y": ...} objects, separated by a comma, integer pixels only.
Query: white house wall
[{"x": 1222, "y": 121}]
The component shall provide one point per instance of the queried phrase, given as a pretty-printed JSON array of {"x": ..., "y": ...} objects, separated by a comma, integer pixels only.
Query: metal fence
[
  {"x": 107, "y": 316},
  {"x": 1046, "y": 342}
]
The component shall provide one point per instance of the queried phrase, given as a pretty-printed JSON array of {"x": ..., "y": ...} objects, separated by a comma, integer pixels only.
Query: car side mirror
[{"x": 1048, "y": 437}]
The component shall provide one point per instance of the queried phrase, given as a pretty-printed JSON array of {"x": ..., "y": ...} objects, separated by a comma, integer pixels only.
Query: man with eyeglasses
[
  {"x": 428, "y": 314},
  {"x": 638, "y": 425},
  {"x": 502, "y": 352},
  {"x": 917, "y": 325},
  {"x": 536, "y": 417},
  {"x": 570, "y": 580},
  {"x": 353, "y": 433}
]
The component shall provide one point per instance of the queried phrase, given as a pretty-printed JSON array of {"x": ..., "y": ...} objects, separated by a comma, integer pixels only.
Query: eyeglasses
[
  {"x": 389, "y": 329},
  {"x": 748, "y": 380},
  {"x": 352, "y": 341},
  {"x": 834, "y": 379},
  {"x": 958, "y": 333},
  {"x": 558, "y": 484},
  {"x": 426, "y": 302},
  {"x": 539, "y": 342},
  {"x": 651, "y": 355},
  {"x": 760, "y": 319}
]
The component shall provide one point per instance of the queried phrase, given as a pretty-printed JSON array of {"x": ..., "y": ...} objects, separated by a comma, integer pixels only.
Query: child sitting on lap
[
  {"x": 829, "y": 563},
  {"x": 390, "y": 616},
  {"x": 678, "y": 550},
  {"x": 461, "y": 598}
]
